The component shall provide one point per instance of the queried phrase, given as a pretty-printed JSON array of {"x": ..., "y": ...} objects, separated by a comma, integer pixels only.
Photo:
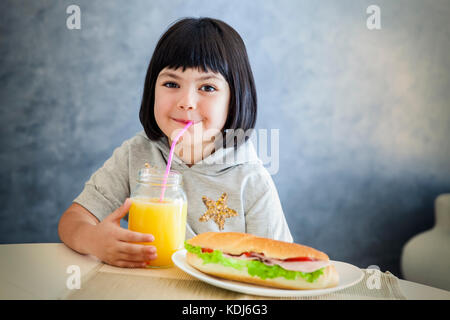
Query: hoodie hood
[{"x": 217, "y": 163}]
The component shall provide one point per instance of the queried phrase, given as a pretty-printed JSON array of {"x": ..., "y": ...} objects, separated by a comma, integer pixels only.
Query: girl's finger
[
  {"x": 120, "y": 212},
  {"x": 133, "y": 236},
  {"x": 135, "y": 249},
  {"x": 137, "y": 257}
]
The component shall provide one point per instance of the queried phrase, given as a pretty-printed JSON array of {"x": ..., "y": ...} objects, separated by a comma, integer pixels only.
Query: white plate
[{"x": 349, "y": 275}]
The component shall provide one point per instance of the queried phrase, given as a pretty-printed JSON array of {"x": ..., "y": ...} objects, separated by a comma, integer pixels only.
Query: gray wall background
[{"x": 364, "y": 116}]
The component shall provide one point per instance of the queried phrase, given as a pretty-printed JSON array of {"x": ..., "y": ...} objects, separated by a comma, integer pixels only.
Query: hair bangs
[{"x": 195, "y": 45}]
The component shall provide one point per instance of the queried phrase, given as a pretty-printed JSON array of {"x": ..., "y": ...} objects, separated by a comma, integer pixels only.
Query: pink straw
[{"x": 169, "y": 162}]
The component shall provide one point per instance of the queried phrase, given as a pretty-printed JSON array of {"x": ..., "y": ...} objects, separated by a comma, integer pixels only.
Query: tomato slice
[
  {"x": 207, "y": 250},
  {"x": 251, "y": 254},
  {"x": 298, "y": 259}
]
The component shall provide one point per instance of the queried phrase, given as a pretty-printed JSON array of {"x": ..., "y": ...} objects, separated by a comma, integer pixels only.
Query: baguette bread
[{"x": 236, "y": 243}]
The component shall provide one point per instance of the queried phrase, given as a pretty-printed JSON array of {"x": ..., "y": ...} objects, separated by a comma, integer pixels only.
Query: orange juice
[{"x": 165, "y": 220}]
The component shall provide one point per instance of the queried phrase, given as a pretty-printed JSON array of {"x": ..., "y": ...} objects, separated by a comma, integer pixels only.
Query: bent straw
[{"x": 169, "y": 161}]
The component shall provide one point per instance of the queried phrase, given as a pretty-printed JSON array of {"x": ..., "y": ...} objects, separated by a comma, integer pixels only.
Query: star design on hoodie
[{"x": 217, "y": 210}]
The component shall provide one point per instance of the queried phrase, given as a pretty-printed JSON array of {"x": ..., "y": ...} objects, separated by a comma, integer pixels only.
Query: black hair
[{"x": 210, "y": 45}]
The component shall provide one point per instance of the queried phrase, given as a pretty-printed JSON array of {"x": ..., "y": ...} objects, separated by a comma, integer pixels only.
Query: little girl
[{"x": 199, "y": 72}]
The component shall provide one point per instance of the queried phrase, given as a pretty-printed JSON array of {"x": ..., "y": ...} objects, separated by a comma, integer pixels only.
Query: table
[{"x": 42, "y": 271}]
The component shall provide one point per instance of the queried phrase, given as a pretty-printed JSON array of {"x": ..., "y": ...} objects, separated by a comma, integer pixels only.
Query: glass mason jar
[{"x": 159, "y": 209}]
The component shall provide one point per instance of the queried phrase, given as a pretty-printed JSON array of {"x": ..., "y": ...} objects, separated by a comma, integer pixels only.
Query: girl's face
[{"x": 191, "y": 95}]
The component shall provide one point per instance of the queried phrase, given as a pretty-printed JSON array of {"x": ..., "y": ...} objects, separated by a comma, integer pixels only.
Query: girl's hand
[{"x": 111, "y": 242}]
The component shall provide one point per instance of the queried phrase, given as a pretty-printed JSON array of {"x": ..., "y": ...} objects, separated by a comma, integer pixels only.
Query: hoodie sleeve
[
  {"x": 108, "y": 187},
  {"x": 264, "y": 215}
]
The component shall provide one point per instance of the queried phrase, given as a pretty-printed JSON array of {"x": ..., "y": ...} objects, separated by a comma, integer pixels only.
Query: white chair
[{"x": 426, "y": 256}]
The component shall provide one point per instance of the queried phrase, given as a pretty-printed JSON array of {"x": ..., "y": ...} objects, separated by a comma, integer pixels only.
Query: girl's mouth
[{"x": 185, "y": 121}]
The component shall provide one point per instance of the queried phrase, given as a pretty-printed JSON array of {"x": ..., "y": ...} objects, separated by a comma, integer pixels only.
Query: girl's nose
[
  {"x": 187, "y": 100},
  {"x": 186, "y": 107}
]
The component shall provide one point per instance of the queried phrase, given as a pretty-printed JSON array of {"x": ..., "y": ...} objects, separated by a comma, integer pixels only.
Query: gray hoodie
[{"x": 240, "y": 173}]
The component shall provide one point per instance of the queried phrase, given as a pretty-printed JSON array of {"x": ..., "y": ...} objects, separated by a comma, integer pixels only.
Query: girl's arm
[{"x": 75, "y": 228}]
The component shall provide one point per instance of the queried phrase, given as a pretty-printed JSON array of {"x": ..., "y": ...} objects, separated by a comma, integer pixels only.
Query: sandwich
[{"x": 261, "y": 261}]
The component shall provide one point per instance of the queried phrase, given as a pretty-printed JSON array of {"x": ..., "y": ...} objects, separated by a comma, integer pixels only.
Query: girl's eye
[
  {"x": 170, "y": 85},
  {"x": 208, "y": 88}
]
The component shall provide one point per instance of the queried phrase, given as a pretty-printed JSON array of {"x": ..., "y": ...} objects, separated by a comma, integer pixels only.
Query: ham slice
[{"x": 303, "y": 266}]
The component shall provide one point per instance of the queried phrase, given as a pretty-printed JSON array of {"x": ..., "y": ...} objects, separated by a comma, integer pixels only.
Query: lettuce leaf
[{"x": 254, "y": 267}]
